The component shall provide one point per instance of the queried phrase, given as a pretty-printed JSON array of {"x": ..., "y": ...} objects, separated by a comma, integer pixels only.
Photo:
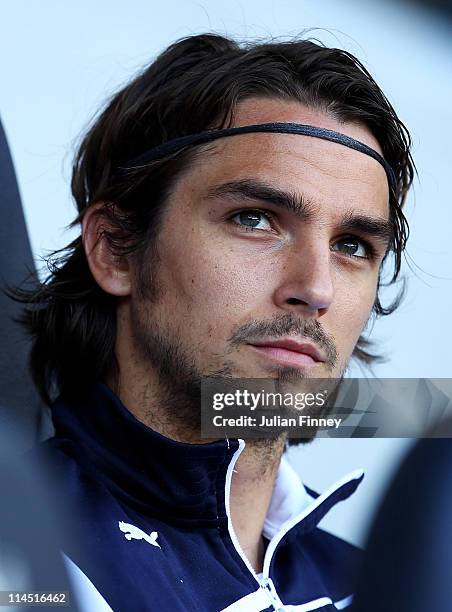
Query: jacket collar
[{"x": 178, "y": 482}]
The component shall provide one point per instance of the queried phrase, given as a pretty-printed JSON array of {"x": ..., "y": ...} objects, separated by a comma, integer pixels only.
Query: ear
[{"x": 112, "y": 273}]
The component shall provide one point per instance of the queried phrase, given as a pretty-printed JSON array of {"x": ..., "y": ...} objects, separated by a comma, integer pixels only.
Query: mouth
[{"x": 289, "y": 352}]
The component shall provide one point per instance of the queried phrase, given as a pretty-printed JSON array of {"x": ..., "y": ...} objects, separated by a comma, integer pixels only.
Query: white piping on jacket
[
  {"x": 227, "y": 497},
  {"x": 320, "y": 603},
  {"x": 343, "y": 603},
  {"x": 257, "y": 601},
  {"x": 287, "y": 526},
  {"x": 86, "y": 595}
]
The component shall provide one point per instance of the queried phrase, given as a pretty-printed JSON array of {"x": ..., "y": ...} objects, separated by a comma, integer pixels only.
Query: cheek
[
  {"x": 230, "y": 282},
  {"x": 217, "y": 286},
  {"x": 352, "y": 312}
]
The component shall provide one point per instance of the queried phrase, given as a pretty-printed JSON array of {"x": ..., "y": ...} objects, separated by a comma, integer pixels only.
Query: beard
[{"x": 176, "y": 396}]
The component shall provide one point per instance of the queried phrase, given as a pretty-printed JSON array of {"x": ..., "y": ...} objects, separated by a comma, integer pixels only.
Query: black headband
[{"x": 172, "y": 146}]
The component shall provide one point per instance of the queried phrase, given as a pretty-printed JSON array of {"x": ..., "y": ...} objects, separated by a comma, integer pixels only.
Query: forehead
[{"x": 327, "y": 173}]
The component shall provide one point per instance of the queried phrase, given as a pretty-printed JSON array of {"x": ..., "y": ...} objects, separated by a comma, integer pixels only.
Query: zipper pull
[{"x": 269, "y": 588}]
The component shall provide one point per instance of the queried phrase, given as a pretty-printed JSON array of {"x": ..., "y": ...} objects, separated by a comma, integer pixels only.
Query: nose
[{"x": 306, "y": 285}]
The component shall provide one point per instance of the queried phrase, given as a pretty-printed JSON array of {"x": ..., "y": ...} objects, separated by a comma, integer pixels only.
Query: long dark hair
[{"x": 192, "y": 86}]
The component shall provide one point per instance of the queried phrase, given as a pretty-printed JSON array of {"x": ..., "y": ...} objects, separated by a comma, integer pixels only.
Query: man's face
[{"x": 269, "y": 253}]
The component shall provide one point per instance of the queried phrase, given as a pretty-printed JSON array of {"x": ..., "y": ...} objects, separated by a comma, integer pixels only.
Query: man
[{"x": 253, "y": 252}]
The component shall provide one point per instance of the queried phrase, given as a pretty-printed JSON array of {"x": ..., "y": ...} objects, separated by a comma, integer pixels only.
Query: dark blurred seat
[
  {"x": 408, "y": 564},
  {"x": 20, "y": 407},
  {"x": 30, "y": 558}
]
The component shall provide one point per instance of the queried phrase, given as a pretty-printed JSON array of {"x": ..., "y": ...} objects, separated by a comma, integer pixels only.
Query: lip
[{"x": 289, "y": 352}]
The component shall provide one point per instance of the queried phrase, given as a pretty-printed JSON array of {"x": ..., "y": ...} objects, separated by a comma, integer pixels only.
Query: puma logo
[{"x": 132, "y": 532}]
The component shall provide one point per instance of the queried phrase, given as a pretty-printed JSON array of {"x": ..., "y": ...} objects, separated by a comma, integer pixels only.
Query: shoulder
[
  {"x": 337, "y": 560},
  {"x": 57, "y": 459},
  {"x": 333, "y": 546},
  {"x": 52, "y": 453}
]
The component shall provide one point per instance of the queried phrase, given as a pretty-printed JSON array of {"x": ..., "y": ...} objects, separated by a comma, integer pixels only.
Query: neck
[{"x": 252, "y": 486}]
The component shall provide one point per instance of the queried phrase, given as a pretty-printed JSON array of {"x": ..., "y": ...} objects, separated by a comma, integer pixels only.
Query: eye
[
  {"x": 252, "y": 220},
  {"x": 353, "y": 247}
]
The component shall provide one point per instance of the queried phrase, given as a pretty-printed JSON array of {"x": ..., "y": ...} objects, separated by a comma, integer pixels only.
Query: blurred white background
[{"x": 60, "y": 60}]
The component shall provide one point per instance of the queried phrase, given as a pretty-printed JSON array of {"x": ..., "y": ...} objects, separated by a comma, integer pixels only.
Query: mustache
[{"x": 285, "y": 325}]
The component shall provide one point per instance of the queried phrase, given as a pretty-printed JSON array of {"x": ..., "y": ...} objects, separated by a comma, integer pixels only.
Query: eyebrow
[
  {"x": 262, "y": 192},
  {"x": 380, "y": 229},
  {"x": 302, "y": 207}
]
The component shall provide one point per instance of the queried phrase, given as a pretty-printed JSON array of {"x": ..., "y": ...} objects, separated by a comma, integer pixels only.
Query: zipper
[{"x": 270, "y": 590}]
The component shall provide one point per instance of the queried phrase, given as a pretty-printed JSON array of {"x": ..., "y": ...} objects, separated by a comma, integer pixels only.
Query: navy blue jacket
[{"x": 149, "y": 527}]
